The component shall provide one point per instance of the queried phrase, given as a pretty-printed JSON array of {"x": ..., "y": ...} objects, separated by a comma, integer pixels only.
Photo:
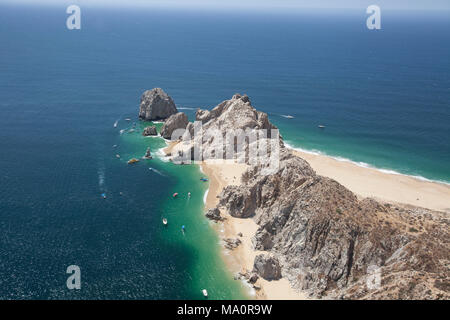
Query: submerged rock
[
  {"x": 150, "y": 131},
  {"x": 156, "y": 105},
  {"x": 175, "y": 121}
]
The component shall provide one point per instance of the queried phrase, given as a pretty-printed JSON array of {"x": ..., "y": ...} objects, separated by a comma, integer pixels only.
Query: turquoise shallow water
[{"x": 383, "y": 97}]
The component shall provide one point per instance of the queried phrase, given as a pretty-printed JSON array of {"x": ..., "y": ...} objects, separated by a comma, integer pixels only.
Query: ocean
[{"x": 382, "y": 95}]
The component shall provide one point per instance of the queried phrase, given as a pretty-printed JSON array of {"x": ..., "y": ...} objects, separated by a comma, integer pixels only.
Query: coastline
[
  {"x": 383, "y": 186},
  {"x": 364, "y": 182},
  {"x": 242, "y": 257}
]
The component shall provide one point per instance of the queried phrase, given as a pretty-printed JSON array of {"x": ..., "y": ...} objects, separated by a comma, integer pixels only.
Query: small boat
[
  {"x": 134, "y": 160},
  {"x": 182, "y": 228},
  {"x": 203, "y": 179},
  {"x": 321, "y": 126},
  {"x": 103, "y": 195},
  {"x": 189, "y": 194},
  {"x": 116, "y": 123},
  {"x": 175, "y": 195},
  {"x": 164, "y": 220},
  {"x": 289, "y": 117},
  {"x": 205, "y": 293},
  {"x": 127, "y": 119},
  {"x": 118, "y": 156}
]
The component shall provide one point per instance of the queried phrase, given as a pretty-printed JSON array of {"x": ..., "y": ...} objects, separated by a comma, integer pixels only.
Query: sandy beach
[
  {"x": 365, "y": 182},
  {"x": 241, "y": 258},
  {"x": 369, "y": 182}
]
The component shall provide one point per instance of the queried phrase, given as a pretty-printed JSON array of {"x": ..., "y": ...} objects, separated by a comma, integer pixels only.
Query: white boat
[
  {"x": 321, "y": 126},
  {"x": 164, "y": 220},
  {"x": 116, "y": 123},
  {"x": 289, "y": 117},
  {"x": 205, "y": 293}
]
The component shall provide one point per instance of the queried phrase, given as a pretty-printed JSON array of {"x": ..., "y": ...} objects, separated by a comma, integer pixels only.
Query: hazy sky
[{"x": 256, "y": 4}]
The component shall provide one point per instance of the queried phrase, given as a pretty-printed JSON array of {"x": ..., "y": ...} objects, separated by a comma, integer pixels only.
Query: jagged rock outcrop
[
  {"x": 327, "y": 240},
  {"x": 214, "y": 214},
  {"x": 318, "y": 234},
  {"x": 150, "y": 131},
  {"x": 222, "y": 125},
  {"x": 156, "y": 105},
  {"x": 174, "y": 122},
  {"x": 268, "y": 267}
]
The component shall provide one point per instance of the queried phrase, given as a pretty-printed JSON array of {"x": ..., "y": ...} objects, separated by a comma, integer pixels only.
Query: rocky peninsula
[{"x": 296, "y": 234}]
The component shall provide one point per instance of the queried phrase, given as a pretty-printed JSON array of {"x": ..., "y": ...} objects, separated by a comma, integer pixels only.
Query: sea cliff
[{"x": 296, "y": 234}]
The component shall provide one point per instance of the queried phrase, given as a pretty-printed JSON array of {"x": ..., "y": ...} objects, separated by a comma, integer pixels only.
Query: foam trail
[
  {"x": 157, "y": 172},
  {"x": 162, "y": 155},
  {"x": 205, "y": 196},
  {"x": 101, "y": 177}
]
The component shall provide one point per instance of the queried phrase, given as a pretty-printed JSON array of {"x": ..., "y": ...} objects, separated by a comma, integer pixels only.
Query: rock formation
[
  {"x": 214, "y": 214},
  {"x": 330, "y": 243},
  {"x": 174, "y": 122},
  {"x": 232, "y": 243},
  {"x": 322, "y": 237},
  {"x": 150, "y": 131},
  {"x": 268, "y": 267},
  {"x": 222, "y": 124},
  {"x": 156, "y": 105}
]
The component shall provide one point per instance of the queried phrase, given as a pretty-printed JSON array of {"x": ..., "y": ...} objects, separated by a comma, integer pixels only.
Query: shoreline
[
  {"x": 241, "y": 258},
  {"x": 383, "y": 186},
  {"x": 364, "y": 182},
  {"x": 364, "y": 165}
]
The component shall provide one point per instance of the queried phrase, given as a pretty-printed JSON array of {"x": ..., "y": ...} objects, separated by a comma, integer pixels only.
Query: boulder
[
  {"x": 253, "y": 278},
  {"x": 214, "y": 214},
  {"x": 175, "y": 121},
  {"x": 156, "y": 105},
  {"x": 150, "y": 131},
  {"x": 268, "y": 267},
  {"x": 232, "y": 243}
]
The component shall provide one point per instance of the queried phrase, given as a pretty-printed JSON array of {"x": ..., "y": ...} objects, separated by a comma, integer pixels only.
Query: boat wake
[
  {"x": 101, "y": 178},
  {"x": 157, "y": 172}
]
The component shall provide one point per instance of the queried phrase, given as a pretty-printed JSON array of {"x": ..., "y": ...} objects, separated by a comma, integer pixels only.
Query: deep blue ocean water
[{"x": 384, "y": 97}]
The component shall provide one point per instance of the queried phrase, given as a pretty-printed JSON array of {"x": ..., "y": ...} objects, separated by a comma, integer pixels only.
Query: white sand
[{"x": 368, "y": 182}]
